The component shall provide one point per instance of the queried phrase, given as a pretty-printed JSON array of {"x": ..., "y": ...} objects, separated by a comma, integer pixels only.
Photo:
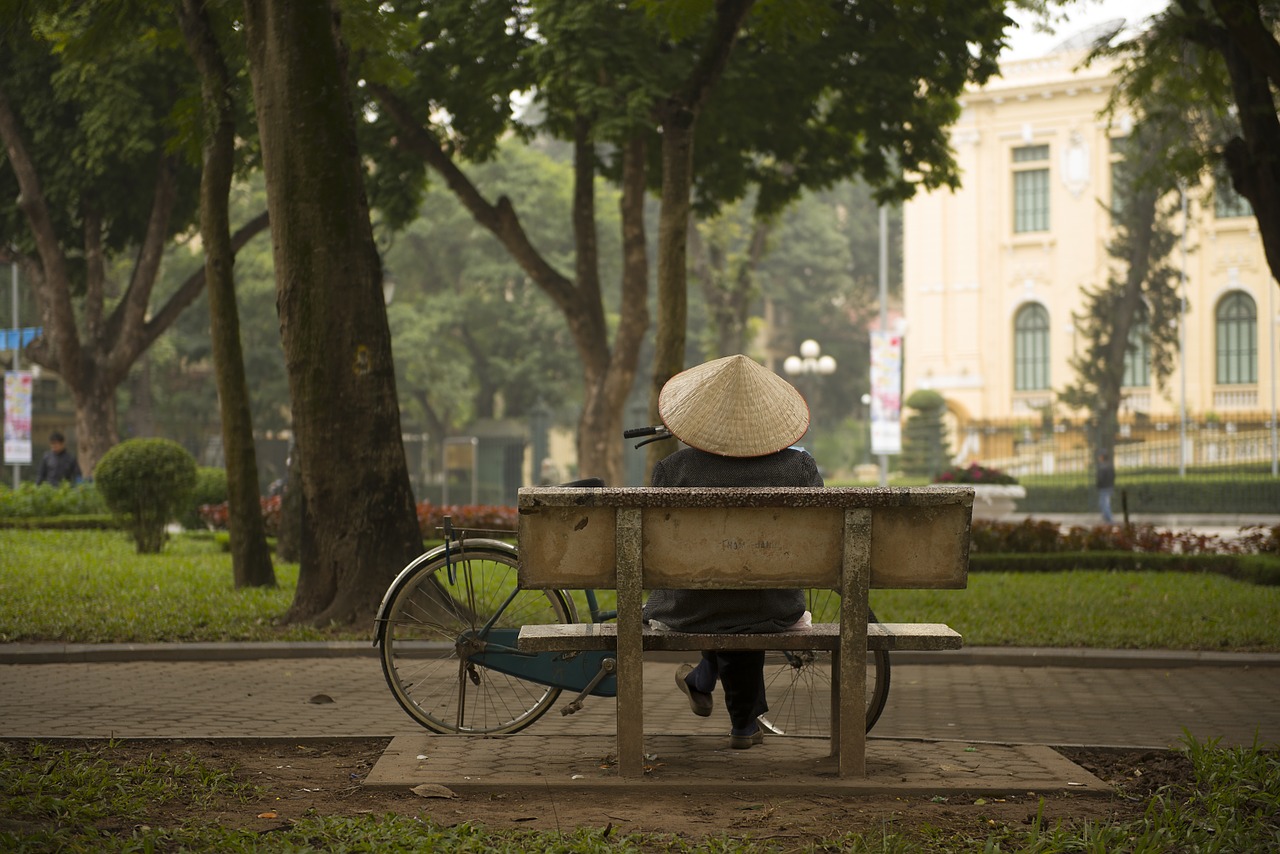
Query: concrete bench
[{"x": 848, "y": 540}]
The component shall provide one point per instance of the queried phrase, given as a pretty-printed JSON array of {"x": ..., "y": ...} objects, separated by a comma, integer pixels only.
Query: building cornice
[{"x": 1051, "y": 76}]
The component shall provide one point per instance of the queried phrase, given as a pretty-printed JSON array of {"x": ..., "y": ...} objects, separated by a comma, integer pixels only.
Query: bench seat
[{"x": 824, "y": 636}]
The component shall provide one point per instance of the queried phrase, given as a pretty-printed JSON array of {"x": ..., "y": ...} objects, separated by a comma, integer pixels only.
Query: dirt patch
[{"x": 298, "y": 779}]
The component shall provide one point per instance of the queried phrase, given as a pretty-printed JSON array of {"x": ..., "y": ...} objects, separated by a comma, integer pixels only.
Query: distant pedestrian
[
  {"x": 58, "y": 464},
  {"x": 1106, "y": 480}
]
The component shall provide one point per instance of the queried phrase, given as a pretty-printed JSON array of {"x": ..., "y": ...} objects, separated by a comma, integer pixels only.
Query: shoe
[
  {"x": 743, "y": 742},
  {"x": 699, "y": 702}
]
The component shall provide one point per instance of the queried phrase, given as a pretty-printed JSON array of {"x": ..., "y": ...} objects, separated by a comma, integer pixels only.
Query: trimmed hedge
[
  {"x": 1258, "y": 569},
  {"x": 1154, "y": 494},
  {"x": 87, "y": 522}
]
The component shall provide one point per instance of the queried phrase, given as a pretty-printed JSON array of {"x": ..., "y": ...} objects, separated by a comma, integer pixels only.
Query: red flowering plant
[
  {"x": 480, "y": 517},
  {"x": 973, "y": 474}
]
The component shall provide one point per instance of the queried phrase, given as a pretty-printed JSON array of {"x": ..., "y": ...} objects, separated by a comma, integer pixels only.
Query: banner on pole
[
  {"x": 17, "y": 418},
  {"x": 886, "y": 393}
]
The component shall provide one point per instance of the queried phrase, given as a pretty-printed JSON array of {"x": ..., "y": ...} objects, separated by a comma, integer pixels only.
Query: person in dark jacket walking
[
  {"x": 739, "y": 420},
  {"x": 1106, "y": 481},
  {"x": 58, "y": 464}
]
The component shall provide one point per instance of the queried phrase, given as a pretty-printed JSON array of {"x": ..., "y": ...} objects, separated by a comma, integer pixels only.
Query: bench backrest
[{"x": 742, "y": 538}]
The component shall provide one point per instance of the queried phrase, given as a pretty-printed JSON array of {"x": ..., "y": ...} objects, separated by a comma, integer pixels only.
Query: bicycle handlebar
[{"x": 655, "y": 434}]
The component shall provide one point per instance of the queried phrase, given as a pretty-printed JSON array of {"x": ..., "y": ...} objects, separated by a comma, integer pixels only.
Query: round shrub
[
  {"x": 210, "y": 488},
  {"x": 148, "y": 482}
]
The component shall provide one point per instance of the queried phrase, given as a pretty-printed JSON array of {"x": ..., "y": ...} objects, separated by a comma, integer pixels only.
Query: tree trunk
[
  {"x": 362, "y": 527},
  {"x": 1253, "y": 63},
  {"x": 1235, "y": 29},
  {"x": 289, "y": 536},
  {"x": 678, "y": 116},
  {"x": 96, "y": 431},
  {"x": 673, "y": 234},
  {"x": 250, "y": 557}
]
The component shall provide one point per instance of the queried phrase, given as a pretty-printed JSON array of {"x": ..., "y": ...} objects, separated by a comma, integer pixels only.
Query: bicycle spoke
[{"x": 435, "y": 626}]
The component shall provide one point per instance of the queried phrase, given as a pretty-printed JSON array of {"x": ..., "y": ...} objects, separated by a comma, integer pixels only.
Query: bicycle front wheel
[
  {"x": 798, "y": 683},
  {"x": 446, "y": 620}
]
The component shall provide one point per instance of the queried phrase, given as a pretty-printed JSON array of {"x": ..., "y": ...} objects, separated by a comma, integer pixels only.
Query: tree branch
[
  {"x": 52, "y": 291},
  {"x": 191, "y": 288},
  {"x": 1244, "y": 25},
  {"x": 500, "y": 218}
]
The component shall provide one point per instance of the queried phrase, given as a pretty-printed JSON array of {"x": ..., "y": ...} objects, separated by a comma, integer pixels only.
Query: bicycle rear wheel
[
  {"x": 450, "y": 616},
  {"x": 798, "y": 683}
]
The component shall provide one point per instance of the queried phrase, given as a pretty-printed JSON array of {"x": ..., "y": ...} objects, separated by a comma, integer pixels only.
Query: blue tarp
[{"x": 15, "y": 339}]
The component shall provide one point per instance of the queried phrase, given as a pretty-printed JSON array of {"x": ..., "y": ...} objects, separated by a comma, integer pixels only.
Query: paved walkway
[{"x": 978, "y": 720}]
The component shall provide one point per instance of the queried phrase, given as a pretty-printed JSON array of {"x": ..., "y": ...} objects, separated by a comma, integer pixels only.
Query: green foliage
[
  {"x": 925, "y": 449},
  {"x": 1255, "y": 569},
  {"x": 1136, "y": 312},
  {"x": 78, "y": 787},
  {"x": 54, "y": 798},
  {"x": 1155, "y": 493},
  {"x": 210, "y": 488},
  {"x": 1043, "y": 535},
  {"x": 147, "y": 481},
  {"x": 185, "y": 595},
  {"x": 464, "y": 315},
  {"x": 97, "y": 113},
  {"x": 31, "y": 501},
  {"x": 182, "y": 595},
  {"x": 1097, "y": 609}
]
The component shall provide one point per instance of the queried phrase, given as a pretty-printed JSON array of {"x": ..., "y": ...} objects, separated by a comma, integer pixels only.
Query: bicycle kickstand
[{"x": 607, "y": 666}]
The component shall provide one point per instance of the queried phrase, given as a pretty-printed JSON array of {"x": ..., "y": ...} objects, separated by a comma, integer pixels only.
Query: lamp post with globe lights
[{"x": 810, "y": 362}]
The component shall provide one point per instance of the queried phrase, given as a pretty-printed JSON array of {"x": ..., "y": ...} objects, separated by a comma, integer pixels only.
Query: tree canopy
[
  {"x": 1213, "y": 67},
  {"x": 97, "y": 114}
]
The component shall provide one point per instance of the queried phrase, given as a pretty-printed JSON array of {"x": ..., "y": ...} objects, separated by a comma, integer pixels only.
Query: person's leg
[
  {"x": 742, "y": 675},
  {"x": 1104, "y": 504},
  {"x": 703, "y": 677},
  {"x": 697, "y": 683}
]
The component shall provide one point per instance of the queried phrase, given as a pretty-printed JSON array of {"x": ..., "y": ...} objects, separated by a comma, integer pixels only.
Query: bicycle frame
[{"x": 496, "y": 648}]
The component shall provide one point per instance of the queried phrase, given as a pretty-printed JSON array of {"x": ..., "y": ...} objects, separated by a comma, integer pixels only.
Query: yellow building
[{"x": 994, "y": 271}]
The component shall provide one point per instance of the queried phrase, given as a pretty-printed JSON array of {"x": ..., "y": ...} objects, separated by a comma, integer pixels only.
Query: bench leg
[
  {"x": 849, "y": 734},
  {"x": 630, "y": 646},
  {"x": 835, "y": 705}
]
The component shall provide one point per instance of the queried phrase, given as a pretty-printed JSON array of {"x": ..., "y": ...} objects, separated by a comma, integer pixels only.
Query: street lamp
[
  {"x": 866, "y": 416},
  {"x": 809, "y": 361}
]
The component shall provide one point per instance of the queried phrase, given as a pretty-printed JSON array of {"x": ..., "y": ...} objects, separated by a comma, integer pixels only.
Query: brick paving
[{"x": 1002, "y": 708}]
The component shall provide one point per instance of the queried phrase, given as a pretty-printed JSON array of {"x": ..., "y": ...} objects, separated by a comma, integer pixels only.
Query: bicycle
[{"x": 447, "y": 630}]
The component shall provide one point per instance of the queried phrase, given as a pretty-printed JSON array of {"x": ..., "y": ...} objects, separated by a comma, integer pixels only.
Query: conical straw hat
[{"x": 734, "y": 407}]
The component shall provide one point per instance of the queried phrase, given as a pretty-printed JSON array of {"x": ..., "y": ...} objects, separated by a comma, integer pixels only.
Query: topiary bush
[
  {"x": 211, "y": 488},
  {"x": 925, "y": 450},
  {"x": 148, "y": 483}
]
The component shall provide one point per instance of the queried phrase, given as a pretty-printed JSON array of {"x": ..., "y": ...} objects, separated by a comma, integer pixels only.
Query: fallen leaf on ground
[{"x": 431, "y": 790}]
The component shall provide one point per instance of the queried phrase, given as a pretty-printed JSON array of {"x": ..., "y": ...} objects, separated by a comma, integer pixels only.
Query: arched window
[
  {"x": 1137, "y": 358},
  {"x": 1031, "y": 348},
  {"x": 1237, "y": 340}
]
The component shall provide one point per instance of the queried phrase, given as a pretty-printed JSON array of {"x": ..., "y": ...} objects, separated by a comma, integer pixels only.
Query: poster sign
[
  {"x": 886, "y": 393},
  {"x": 17, "y": 417}
]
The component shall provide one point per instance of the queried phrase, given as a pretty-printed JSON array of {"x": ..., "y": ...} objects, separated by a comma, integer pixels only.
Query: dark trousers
[{"x": 742, "y": 677}]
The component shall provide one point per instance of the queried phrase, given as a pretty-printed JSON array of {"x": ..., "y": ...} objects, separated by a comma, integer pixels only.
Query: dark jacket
[
  {"x": 55, "y": 468},
  {"x": 1106, "y": 474},
  {"x": 729, "y": 611}
]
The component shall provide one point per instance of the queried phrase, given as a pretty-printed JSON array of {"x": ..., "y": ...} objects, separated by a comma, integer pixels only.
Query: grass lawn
[{"x": 91, "y": 587}]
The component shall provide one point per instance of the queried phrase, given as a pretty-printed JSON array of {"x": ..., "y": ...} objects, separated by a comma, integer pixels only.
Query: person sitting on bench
[{"x": 739, "y": 420}]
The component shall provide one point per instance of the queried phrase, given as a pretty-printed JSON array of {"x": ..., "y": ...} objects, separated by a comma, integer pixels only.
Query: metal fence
[{"x": 1029, "y": 447}]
